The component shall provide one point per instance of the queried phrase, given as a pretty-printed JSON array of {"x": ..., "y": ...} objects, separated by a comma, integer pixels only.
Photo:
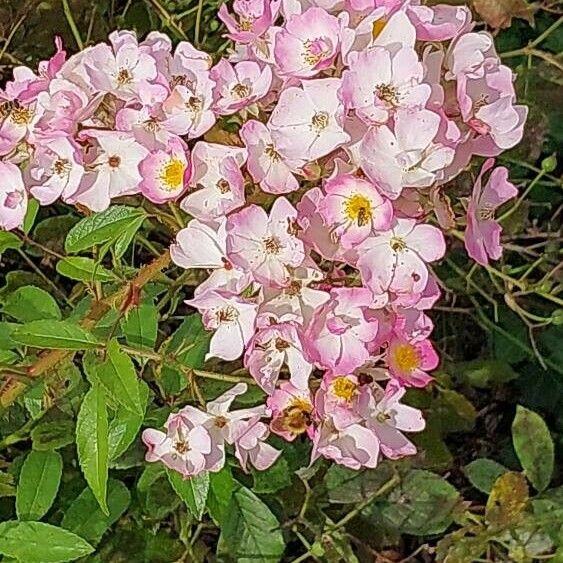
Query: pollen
[
  {"x": 182, "y": 446},
  {"x": 343, "y": 388},
  {"x": 272, "y": 245},
  {"x": 124, "y": 77},
  {"x": 358, "y": 209},
  {"x": 387, "y": 93},
  {"x": 272, "y": 153},
  {"x": 114, "y": 161},
  {"x": 245, "y": 25},
  {"x": 406, "y": 357},
  {"x": 61, "y": 167},
  {"x": 223, "y": 186},
  {"x": 319, "y": 121},
  {"x": 241, "y": 90},
  {"x": 173, "y": 175},
  {"x": 486, "y": 213},
  {"x": 227, "y": 314},
  {"x": 315, "y": 51},
  {"x": 397, "y": 244}
]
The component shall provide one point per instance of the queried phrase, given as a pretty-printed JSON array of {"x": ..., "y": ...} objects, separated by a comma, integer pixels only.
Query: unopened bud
[{"x": 549, "y": 163}]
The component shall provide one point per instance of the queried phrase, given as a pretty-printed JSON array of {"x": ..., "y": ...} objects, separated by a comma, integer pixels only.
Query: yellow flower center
[
  {"x": 406, "y": 357},
  {"x": 358, "y": 209},
  {"x": 173, "y": 175},
  {"x": 343, "y": 388}
]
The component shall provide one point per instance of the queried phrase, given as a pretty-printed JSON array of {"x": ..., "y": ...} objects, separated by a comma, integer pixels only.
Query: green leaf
[
  {"x": 52, "y": 435},
  {"x": 534, "y": 447},
  {"x": 125, "y": 425},
  {"x": 250, "y": 532},
  {"x": 38, "y": 484},
  {"x": 85, "y": 518},
  {"x": 423, "y": 504},
  {"x": 156, "y": 495},
  {"x": 485, "y": 374},
  {"x": 92, "y": 443},
  {"x": 101, "y": 227},
  {"x": 126, "y": 237},
  {"x": 193, "y": 491},
  {"x": 84, "y": 269},
  {"x": 189, "y": 345},
  {"x": 30, "y": 215},
  {"x": 37, "y": 542},
  {"x": 141, "y": 326},
  {"x": 346, "y": 486},
  {"x": 273, "y": 479},
  {"x": 221, "y": 486},
  {"x": 58, "y": 335},
  {"x": 30, "y": 303},
  {"x": 9, "y": 241},
  {"x": 117, "y": 375},
  {"x": 482, "y": 473},
  {"x": 7, "y": 488}
]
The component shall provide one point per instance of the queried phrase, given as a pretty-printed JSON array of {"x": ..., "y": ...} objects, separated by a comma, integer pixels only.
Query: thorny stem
[{"x": 11, "y": 389}]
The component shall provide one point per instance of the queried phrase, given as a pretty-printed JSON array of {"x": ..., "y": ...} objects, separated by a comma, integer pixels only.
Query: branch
[{"x": 11, "y": 389}]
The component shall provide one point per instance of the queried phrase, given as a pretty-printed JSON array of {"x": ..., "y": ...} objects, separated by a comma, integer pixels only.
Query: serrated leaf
[
  {"x": 482, "y": 473},
  {"x": 423, "y": 504},
  {"x": 141, "y": 326},
  {"x": 57, "y": 335},
  {"x": 273, "y": 479},
  {"x": 30, "y": 303},
  {"x": 37, "y": 542},
  {"x": 85, "y": 518},
  {"x": 508, "y": 499},
  {"x": 116, "y": 373},
  {"x": 346, "y": 486},
  {"x": 101, "y": 227},
  {"x": 534, "y": 447},
  {"x": 250, "y": 532},
  {"x": 92, "y": 443},
  {"x": 38, "y": 484},
  {"x": 221, "y": 486},
  {"x": 125, "y": 425},
  {"x": 193, "y": 491},
  {"x": 84, "y": 269}
]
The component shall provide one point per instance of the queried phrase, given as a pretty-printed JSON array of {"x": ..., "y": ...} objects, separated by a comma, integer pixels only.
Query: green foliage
[
  {"x": 88, "y": 358},
  {"x": 104, "y": 227},
  {"x": 30, "y": 303},
  {"x": 192, "y": 491},
  {"x": 92, "y": 442},
  {"x": 249, "y": 531},
  {"x": 54, "y": 335},
  {"x": 38, "y": 484},
  {"x": 534, "y": 447},
  {"x": 37, "y": 542}
]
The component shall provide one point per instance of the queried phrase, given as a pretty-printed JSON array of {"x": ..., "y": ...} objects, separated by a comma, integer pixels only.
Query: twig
[
  {"x": 12, "y": 389},
  {"x": 72, "y": 24}
]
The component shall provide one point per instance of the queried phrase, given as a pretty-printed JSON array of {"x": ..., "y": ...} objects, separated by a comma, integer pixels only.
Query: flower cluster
[{"x": 317, "y": 222}]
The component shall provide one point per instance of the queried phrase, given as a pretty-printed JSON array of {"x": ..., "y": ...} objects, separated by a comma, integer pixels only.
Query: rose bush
[{"x": 299, "y": 186}]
